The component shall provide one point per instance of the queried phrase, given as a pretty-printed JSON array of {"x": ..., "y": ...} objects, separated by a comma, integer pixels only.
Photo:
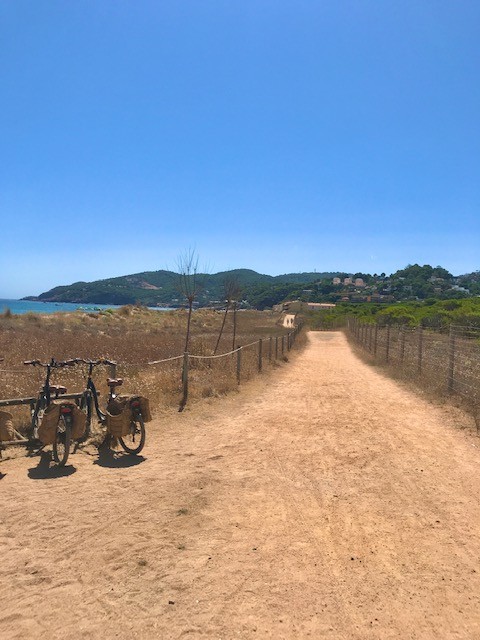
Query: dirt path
[{"x": 323, "y": 501}]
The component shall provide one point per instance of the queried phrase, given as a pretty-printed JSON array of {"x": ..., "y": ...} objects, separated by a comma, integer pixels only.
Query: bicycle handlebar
[
  {"x": 53, "y": 364},
  {"x": 69, "y": 363},
  {"x": 94, "y": 362}
]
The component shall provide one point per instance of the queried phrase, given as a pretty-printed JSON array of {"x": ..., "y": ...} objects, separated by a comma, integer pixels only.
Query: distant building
[
  {"x": 359, "y": 282},
  {"x": 347, "y": 281},
  {"x": 317, "y": 306},
  {"x": 337, "y": 281}
]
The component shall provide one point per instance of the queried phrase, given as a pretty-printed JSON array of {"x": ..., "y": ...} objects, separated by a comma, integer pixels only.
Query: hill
[
  {"x": 157, "y": 288},
  {"x": 161, "y": 288}
]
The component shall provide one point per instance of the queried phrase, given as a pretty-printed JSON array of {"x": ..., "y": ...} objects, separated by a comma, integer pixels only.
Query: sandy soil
[{"x": 322, "y": 501}]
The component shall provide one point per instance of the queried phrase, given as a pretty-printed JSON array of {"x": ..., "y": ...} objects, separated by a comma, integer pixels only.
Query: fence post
[
  {"x": 183, "y": 402},
  {"x": 402, "y": 343},
  {"x": 387, "y": 351},
  {"x": 260, "y": 355},
  {"x": 289, "y": 340},
  {"x": 420, "y": 349},
  {"x": 276, "y": 347},
  {"x": 270, "y": 349},
  {"x": 239, "y": 363},
  {"x": 283, "y": 345},
  {"x": 375, "y": 340},
  {"x": 451, "y": 359}
]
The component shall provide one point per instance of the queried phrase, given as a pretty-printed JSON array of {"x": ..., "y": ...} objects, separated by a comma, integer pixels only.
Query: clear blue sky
[{"x": 276, "y": 135}]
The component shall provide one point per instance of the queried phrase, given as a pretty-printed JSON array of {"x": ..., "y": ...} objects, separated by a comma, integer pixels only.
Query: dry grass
[
  {"x": 131, "y": 336},
  {"x": 444, "y": 370}
]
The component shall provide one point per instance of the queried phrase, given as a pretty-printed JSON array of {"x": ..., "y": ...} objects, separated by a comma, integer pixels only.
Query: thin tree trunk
[
  {"x": 187, "y": 339},
  {"x": 221, "y": 329},
  {"x": 234, "y": 324}
]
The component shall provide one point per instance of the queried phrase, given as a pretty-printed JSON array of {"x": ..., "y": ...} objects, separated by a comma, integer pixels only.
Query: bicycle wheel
[
  {"x": 86, "y": 407},
  {"x": 37, "y": 415},
  {"x": 63, "y": 436},
  {"x": 134, "y": 442}
]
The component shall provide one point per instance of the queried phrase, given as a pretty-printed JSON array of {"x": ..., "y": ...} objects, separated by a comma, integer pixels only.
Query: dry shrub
[{"x": 132, "y": 336}]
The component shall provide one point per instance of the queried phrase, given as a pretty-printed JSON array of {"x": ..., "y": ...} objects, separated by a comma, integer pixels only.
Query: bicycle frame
[
  {"x": 44, "y": 398},
  {"x": 90, "y": 389}
]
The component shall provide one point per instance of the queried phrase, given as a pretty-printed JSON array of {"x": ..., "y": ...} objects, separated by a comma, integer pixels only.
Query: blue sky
[{"x": 280, "y": 136}]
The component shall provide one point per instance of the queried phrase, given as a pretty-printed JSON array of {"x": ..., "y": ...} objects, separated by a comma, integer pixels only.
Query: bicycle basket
[{"x": 7, "y": 432}]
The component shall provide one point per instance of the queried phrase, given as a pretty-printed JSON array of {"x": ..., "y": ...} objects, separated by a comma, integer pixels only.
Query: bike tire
[
  {"x": 63, "y": 438},
  {"x": 36, "y": 419},
  {"x": 137, "y": 429},
  {"x": 86, "y": 406}
]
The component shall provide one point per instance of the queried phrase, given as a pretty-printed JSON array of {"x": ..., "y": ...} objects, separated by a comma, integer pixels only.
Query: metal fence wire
[{"x": 446, "y": 362}]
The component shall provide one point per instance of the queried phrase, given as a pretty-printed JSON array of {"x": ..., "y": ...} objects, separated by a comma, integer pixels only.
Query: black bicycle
[
  {"x": 132, "y": 442},
  {"x": 64, "y": 423}
]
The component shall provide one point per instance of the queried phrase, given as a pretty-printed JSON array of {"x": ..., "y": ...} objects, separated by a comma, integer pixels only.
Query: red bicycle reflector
[
  {"x": 135, "y": 403},
  {"x": 65, "y": 410}
]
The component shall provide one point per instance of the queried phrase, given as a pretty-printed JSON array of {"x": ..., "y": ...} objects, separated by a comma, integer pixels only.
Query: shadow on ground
[
  {"x": 45, "y": 470},
  {"x": 116, "y": 459}
]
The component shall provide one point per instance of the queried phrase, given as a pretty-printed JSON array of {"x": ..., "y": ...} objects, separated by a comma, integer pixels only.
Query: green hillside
[{"x": 158, "y": 288}]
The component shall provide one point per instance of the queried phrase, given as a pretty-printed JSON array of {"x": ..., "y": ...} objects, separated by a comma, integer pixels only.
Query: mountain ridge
[{"x": 162, "y": 287}]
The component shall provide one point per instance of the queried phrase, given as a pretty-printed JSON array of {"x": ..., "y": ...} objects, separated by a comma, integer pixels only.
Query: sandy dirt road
[{"x": 322, "y": 501}]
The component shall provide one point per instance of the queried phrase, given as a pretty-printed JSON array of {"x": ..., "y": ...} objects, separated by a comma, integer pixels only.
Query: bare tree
[
  {"x": 231, "y": 289},
  {"x": 188, "y": 284},
  {"x": 236, "y": 293}
]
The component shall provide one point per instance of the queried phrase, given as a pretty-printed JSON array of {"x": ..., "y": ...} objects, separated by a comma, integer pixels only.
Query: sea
[{"x": 28, "y": 306}]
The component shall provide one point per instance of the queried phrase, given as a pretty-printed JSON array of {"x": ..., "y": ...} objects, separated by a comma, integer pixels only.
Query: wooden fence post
[
  {"x": 420, "y": 349},
  {"x": 260, "y": 355},
  {"x": 283, "y": 345},
  {"x": 387, "y": 348},
  {"x": 270, "y": 349},
  {"x": 276, "y": 347},
  {"x": 451, "y": 359},
  {"x": 402, "y": 343},
  {"x": 375, "y": 339},
  {"x": 239, "y": 363},
  {"x": 183, "y": 402}
]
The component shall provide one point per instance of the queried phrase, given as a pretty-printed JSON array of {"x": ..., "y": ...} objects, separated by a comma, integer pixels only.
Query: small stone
[{"x": 171, "y": 602}]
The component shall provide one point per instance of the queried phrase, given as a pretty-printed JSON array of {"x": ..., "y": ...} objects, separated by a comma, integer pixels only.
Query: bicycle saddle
[
  {"x": 114, "y": 382},
  {"x": 57, "y": 389}
]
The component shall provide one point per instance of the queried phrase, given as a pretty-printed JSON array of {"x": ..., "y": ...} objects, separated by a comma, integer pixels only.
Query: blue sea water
[{"x": 26, "y": 306}]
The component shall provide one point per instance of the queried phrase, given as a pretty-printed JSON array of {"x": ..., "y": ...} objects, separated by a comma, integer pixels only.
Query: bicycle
[
  {"x": 132, "y": 442},
  {"x": 63, "y": 428}
]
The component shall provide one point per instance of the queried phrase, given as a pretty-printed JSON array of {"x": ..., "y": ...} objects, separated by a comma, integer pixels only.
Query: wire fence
[
  {"x": 168, "y": 381},
  {"x": 214, "y": 374},
  {"x": 445, "y": 362}
]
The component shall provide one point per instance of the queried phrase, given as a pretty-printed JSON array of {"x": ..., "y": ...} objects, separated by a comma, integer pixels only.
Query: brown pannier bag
[
  {"x": 48, "y": 425},
  {"x": 7, "y": 432},
  {"x": 79, "y": 421},
  {"x": 119, "y": 417},
  {"x": 144, "y": 404}
]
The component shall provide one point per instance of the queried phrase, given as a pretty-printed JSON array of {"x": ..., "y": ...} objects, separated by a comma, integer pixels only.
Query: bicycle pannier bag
[
  {"x": 79, "y": 421},
  {"x": 119, "y": 417},
  {"x": 144, "y": 404},
  {"x": 48, "y": 425},
  {"x": 7, "y": 432},
  {"x": 145, "y": 408}
]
